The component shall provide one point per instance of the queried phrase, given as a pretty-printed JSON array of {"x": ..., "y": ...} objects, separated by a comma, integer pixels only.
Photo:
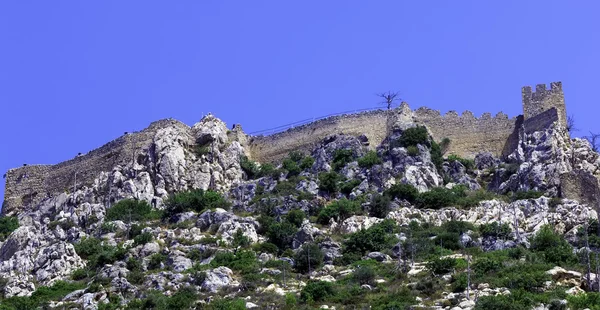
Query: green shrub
[
  {"x": 134, "y": 264},
  {"x": 240, "y": 240},
  {"x": 468, "y": 163},
  {"x": 499, "y": 302},
  {"x": 495, "y": 230},
  {"x": 307, "y": 163},
  {"x": 41, "y": 296},
  {"x": 156, "y": 261},
  {"x": 129, "y": 210},
  {"x": 249, "y": 167},
  {"x": 310, "y": 255},
  {"x": 341, "y": 158},
  {"x": 281, "y": 234},
  {"x": 403, "y": 191},
  {"x": 143, "y": 238},
  {"x": 135, "y": 277},
  {"x": 226, "y": 304},
  {"x": 485, "y": 265},
  {"x": 194, "y": 200},
  {"x": 201, "y": 150},
  {"x": 401, "y": 300},
  {"x": 459, "y": 282},
  {"x": 243, "y": 261},
  {"x": 265, "y": 247},
  {"x": 439, "y": 197},
  {"x": 414, "y": 136},
  {"x": 584, "y": 301},
  {"x": 441, "y": 265},
  {"x": 285, "y": 188},
  {"x": 328, "y": 182},
  {"x": 369, "y": 160},
  {"x": 521, "y": 195},
  {"x": 291, "y": 167},
  {"x": 364, "y": 275},
  {"x": 80, "y": 274},
  {"x": 88, "y": 247},
  {"x": 555, "y": 248},
  {"x": 380, "y": 206},
  {"x": 412, "y": 150},
  {"x": 376, "y": 238},
  {"x": 347, "y": 187},
  {"x": 459, "y": 227},
  {"x": 436, "y": 156},
  {"x": 295, "y": 217},
  {"x": 268, "y": 170},
  {"x": 184, "y": 298},
  {"x": 317, "y": 291},
  {"x": 338, "y": 210}
]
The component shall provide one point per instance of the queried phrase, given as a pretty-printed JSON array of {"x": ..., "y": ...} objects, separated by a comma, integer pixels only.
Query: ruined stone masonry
[{"x": 469, "y": 135}]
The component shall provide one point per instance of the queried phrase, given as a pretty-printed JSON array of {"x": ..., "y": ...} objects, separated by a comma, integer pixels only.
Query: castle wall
[
  {"x": 304, "y": 138},
  {"x": 470, "y": 135},
  {"x": 31, "y": 184},
  {"x": 535, "y": 103},
  {"x": 541, "y": 121}
]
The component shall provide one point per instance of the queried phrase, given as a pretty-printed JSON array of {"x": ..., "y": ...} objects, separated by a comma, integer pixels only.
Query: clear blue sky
[{"x": 77, "y": 74}]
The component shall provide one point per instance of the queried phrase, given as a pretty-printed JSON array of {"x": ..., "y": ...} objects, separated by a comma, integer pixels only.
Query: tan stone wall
[
  {"x": 535, "y": 103},
  {"x": 304, "y": 138},
  {"x": 470, "y": 135},
  {"x": 31, "y": 184}
]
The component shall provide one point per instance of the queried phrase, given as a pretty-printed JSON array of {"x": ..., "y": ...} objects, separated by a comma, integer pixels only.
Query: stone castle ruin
[{"x": 469, "y": 135}]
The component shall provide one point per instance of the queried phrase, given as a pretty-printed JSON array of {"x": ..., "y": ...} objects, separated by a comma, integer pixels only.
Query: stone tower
[{"x": 542, "y": 100}]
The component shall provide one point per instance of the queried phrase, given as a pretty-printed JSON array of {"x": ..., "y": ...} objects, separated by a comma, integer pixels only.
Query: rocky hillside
[{"x": 195, "y": 224}]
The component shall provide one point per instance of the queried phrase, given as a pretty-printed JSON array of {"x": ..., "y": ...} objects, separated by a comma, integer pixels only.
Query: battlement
[{"x": 543, "y": 99}]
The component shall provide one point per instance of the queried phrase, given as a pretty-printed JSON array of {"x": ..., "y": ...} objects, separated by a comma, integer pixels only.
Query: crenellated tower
[{"x": 543, "y": 99}]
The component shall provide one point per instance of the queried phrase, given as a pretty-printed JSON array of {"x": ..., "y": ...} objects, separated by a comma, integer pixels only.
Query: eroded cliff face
[{"x": 177, "y": 251}]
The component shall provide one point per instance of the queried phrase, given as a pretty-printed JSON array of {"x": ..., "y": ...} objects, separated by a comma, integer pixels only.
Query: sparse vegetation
[{"x": 8, "y": 224}]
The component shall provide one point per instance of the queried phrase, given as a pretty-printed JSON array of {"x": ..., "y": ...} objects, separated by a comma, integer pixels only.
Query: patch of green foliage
[
  {"x": 347, "y": 187},
  {"x": 341, "y": 158},
  {"x": 495, "y": 230},
  {"x": 338, "y": 210},
  {"x": 309, "y": 256},
  {"x": 291, "y": 167},
  {"x": 97, "y": 254},
  {"x": 521, "y": 195},
  {"x": 265, "y": 247},
  {"x": 329, "y": 182},
  {"x": 194, "y": 200},
  {"x": 441, "y": 266},
  {"x": 41, "y": 296},
  {"x": 8, "y": 224},
  {"x": 369, "y": 160},
  {"x": 376, "y": 238},
  {"x": 380, "y": 206},
  {"x": 184, "y": 298},
  {"x": 413, "y": 136},
  {"x": 143, "y": 238},
  {"x": 307, "y": 163},
  {"x": 403, "y": 191},
  {"x": 553, "y": 247},
  {"x": 240, "y": 240},
  {"x": 295, "y": 217},
  {"x": 315, "y": 291},
  {"x": 156, "y": 261},
  {"x": 412, "y": 150},
  {"x": 243, "y": 261},
  {"x": 129, "y": 210},
  {"x": 440, "y": 197},
  {"x": 249, "y": 167},
  {"x": 584, "y": 301},
  {"x": 468, "y": 163}
]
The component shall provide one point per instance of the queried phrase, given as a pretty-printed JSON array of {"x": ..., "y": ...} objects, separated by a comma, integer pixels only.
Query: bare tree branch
[
  {"x": 571, "y": 124},
  {"x": 594, "y": 139},
  {"x": 389, "y": 98}
]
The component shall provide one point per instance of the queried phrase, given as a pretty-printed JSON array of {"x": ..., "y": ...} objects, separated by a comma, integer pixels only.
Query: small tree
[
  {"x": 388, "y": 98},
  {"x": 571, "y": 124},
  {"x": 309, "y": 258}
]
